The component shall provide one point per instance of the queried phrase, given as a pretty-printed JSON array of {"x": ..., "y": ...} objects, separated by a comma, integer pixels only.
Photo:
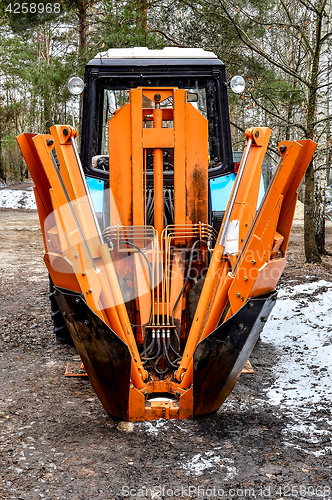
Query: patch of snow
[
  {"x": 12, "y": 198},
  {"x": 300, "y": 328},
  {"x": 152, "y": 427},
  {"x": 182, "y": 426},
  {"x": 300, "y": 325},
  {"x": 323, "y": 451},
  {"x": 210, "y": 462},
  {"x": 308, "y": 432}
]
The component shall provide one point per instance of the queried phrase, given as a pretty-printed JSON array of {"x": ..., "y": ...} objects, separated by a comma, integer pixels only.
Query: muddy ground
[{"x": 57, "y": 442}]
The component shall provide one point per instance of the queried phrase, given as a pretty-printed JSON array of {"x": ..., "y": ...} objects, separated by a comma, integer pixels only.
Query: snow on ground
[
  {"x": 153, "y": 427},
  {"x": 17, "y": 198},
  {"x": 209, "y": 461},
  {"x": 300, "y": 327}
]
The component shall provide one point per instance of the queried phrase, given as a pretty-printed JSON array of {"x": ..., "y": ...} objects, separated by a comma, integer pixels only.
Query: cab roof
[
  {"x": 165, "y": 53},
  {"x": 143, "y": 57}
]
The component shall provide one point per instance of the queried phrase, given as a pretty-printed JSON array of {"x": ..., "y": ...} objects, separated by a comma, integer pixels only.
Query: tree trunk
[
  {"x": 47, "y": 114},
  {"x": 320, "y": 177},
  {"x": 2, "y": 164},
  {"x": 82, "y": 46},
  {"x": 311, "y": 250},
  {"x": 142, "y": 14},
  {"x": 82, "y": 28}
]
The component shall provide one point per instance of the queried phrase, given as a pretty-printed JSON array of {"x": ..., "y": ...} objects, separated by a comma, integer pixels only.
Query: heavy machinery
[{"x": 163, "y": 258}]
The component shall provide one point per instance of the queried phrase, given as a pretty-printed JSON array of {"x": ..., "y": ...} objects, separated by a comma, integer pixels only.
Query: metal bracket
[
  {"x": 75, "y": 370},
  {"x": 248, "y": 368}
]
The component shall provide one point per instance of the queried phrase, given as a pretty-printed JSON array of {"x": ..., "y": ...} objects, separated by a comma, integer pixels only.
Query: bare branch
[
  {"x": 176, "y": 44},
  {"x": 303, "y": 35},
  {"x": 253, "y": 46},
  {"x": 290, "y": 124},
  {"x": 308, "y": 5}
]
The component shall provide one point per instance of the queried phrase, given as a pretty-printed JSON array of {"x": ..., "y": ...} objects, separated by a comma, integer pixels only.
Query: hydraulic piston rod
[{"x": 158, "y": 175}]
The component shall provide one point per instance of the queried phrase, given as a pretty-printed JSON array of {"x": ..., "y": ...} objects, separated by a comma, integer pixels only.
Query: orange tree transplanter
[{"x": 164, "y": 256}]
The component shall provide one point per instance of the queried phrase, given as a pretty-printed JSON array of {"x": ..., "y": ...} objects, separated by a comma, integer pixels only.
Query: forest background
[{"x": 281, "y": 47}]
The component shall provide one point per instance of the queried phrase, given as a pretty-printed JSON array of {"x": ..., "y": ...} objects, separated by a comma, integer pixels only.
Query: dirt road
[{"x": 57, "y": 442}]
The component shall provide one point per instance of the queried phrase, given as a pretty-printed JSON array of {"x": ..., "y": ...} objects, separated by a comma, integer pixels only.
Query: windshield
[{"x": 112, "y": 95}]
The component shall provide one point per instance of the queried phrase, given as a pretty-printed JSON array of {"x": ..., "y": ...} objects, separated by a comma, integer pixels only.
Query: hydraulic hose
[
  {"x": 158, "y": 348},
  {"x": 156, "y": 369},
  {"x": 146, "y": 260},
  {"x": 151, "y": 345},
  {"x": 166, "y": 354},
  {"x": 187, "y": 277}
]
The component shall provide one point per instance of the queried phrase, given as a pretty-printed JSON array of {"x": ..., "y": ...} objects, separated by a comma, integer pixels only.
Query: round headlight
[
  {"x": 237, "y": 84},
  {"x": 75, "y": 85}
]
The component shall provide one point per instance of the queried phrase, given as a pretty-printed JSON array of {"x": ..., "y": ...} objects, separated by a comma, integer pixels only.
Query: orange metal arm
[
  {"x": 295, "y": 157},
  {"x": 241, "y": 207},
  {"x": 254, "y": 272}
]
